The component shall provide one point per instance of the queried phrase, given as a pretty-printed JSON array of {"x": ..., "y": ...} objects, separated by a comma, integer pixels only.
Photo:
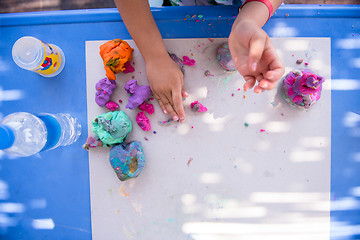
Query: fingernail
[
  {"x": 186, "y": 94},
  {"x": 165, "y": 112},
  {"x": 182, "y": 119},
  {"x": 175, "y": 118},
  {"x": 264, "y": 85},
  {"x": 253, "y": 66}
]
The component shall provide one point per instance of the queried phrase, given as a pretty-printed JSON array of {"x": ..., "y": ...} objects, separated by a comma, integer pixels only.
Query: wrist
[
  {"x": 152, "y": 53},
  {"x": 255, "y": 11}
]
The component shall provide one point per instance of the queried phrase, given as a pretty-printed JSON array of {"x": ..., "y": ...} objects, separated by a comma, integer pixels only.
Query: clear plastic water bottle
[
  {"x": 35, "y": 55},
  {"x": 24, "y": 134}
]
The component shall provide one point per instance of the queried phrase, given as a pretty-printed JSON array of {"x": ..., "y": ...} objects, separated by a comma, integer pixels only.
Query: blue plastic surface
[
  {"x": 55, "y": 185},
  {"x": 7, "y": 137},
  {"x": 172, "y": 13}
]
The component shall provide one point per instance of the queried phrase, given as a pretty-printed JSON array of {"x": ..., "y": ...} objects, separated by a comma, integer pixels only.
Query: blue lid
[{"x": 7, "y": 137}]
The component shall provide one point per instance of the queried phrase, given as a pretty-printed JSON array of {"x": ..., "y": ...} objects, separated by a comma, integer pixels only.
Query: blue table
[{"x": 47, "y": 196}]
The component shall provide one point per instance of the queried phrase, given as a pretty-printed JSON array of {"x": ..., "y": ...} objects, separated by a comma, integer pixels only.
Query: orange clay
[{"x": 115, "y": 54}]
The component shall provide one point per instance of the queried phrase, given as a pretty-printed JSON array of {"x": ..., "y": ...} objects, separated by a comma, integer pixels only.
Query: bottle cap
[
  {"x": 28, "y": 52},
  {"x": 7, "y": 137}
]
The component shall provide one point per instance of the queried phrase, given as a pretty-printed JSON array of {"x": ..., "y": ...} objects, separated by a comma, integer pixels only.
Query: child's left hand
[{"x": 254, "y": 56}]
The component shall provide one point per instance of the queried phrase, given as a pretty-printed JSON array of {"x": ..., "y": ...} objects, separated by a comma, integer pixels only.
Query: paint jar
[{"x": 32, "y": 54}]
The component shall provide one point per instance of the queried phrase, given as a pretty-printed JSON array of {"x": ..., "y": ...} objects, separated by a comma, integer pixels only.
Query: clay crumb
[
  {"x": 207, "y": 73},
  {"x": 189, "y": 161}
]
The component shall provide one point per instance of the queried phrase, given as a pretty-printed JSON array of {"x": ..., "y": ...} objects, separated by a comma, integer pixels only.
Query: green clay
[{"x": 112, "y": 127}]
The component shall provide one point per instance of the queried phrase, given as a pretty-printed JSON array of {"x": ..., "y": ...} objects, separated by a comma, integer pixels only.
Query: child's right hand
[
  {"x": 251, "y": 48},
  {"x": 255, "y": 56},
  {"x": 166, "y": 82}
]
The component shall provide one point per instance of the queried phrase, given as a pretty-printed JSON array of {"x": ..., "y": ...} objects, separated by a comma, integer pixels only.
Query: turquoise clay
[
  {"x": 112, "y": 127},
  {"x": 127, "y": 160}
]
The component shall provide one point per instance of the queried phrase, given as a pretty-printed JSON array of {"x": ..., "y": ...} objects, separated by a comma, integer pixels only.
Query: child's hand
[
  {"x": 254, "y": 56},
  {"x": 166, "y": 82}
]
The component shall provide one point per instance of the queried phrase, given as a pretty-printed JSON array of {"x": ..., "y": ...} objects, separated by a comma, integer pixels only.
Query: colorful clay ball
[
  {"x": 115, "y": 54},
  {"x": 197, "y": 107},
  {"x": 138, "y": 94},
  {"x": 224, "y": 57},
  {"x": 127, "y": 160},
  {"x": 112, "y": 127},
  {"x": 302, "y": 88},
  {"x": 104, "y": 89},
  {"x": 112, "y": 106},
  {"x": 143, "y": 121},
  {"x": 147, "y": 107}
]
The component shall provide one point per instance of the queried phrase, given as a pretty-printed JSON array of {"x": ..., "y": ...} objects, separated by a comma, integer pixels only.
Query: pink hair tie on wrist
[{"x": 267, "y": 4}]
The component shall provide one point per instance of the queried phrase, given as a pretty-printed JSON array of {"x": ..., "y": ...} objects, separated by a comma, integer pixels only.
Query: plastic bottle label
[{"x": 51, "y": 61}]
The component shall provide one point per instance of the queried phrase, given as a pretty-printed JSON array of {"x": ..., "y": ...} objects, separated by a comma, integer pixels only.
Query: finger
[
  {"x": 271, "y": 79},
  {"x": 276, "y": 71},
  {"x": 250, "y": 82},
  {"x": 257, "y": 45},
  {"x": 184, "y": 93},
  {"x": 276, "y": 68},
  {"x": 259, "y": 77},
  {"x": 258, "y": 89},
  {"x": 178, "y": 105},
  {"x": 171, "y": 110},
  {"x": 267, "y": 85},
  {"x": 274, "y": 75},
  {"x": 162, "y": 106}
]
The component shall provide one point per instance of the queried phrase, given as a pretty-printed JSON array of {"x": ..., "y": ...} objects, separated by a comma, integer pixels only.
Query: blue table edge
[
  {"x": 175, "y": 14},
  {"x": 171, "y": 13}
]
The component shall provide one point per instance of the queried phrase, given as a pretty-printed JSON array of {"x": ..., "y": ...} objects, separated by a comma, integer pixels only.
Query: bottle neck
[{"x": 7, "y": 137}]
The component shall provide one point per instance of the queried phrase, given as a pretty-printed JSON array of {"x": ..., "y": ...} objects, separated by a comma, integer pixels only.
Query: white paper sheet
[{"x": 213, "y": 177}]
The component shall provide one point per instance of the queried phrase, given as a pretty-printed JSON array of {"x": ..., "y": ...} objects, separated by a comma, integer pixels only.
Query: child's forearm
[
  {"x": 257, "y": 11},
  {"x": 141, "y": 25}
]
